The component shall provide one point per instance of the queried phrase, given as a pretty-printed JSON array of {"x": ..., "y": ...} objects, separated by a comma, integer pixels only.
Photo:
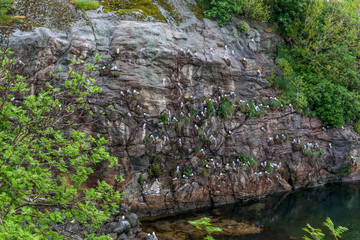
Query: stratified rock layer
[{"x": 190, "y": 109}]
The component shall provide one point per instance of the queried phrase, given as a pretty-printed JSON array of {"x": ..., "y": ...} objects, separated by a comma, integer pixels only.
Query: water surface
[{"x": 278, "y": 217}]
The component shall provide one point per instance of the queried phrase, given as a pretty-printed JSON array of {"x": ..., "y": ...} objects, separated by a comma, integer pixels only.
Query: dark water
[{"x": 280, "y": 217}]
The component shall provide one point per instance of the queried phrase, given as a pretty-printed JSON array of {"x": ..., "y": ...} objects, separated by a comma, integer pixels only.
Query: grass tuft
[{"x": 87, "y": 4}]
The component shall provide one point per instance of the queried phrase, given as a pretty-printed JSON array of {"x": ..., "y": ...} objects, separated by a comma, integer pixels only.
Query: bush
[
  {"x": 6, "y": 6},
  {"x": 225, "y": 109},
  {"x": 243, "y": 26},
  {"x": 87, "y": 4},
  {"x": 357, "y": 126},
  {"x": 220, "y": 10},
  {"x": 186, "y": 170},
  {"x": 45, "y": 159}
]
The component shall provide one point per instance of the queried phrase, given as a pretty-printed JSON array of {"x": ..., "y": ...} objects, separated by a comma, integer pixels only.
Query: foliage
[
  {"x": 182, "y": 122},
  {"x": 87, "y": 4},
  {"x": 254, "y": 110},
  {"x": 357, "y": 126},
  {"x": 285, "y": 13},
  {"x": 210, "y": 107},
  {"x": 164, "y": 118},
  {"x": 154, "y": 170},
  {"x": 6, "y": 6},
  {"x": 257, "y": 9},
  {"x": 243, "y": 26},
  {"x": 317, "y": 234},
  {"x": 224, "y": 10},
  {"x": 204, "y": 224},
  {"x": 320, "y": 66},
  {"x": 45, "y": 158},
  {"x": 221, "y": 10},
  {"x": 225, "y": 109},
  {"x": 186, "y": 170},
  {"x": 141, "y": 181},
  {"x": 247, "y": 160}
]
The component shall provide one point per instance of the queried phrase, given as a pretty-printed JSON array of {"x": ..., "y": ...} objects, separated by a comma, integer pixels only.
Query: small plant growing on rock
[
  {"x": 247, "y": 160},
  {"x": 273, "y": 104},
  {"x": 210, "y": 107},
  {"x": 243, "y": 26},
  {"x": 225, "y": 109},
  {"x": 254, "y": 110},
  {"x": 164, "y": 118},
  {"x": 155, "y": 171},
  {"x": 204, "y": 224},
  {"x": 186, "y": 170}
]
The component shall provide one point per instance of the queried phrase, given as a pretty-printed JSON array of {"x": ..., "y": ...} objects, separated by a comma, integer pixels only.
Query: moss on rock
[{"x": 144, "y": 10}]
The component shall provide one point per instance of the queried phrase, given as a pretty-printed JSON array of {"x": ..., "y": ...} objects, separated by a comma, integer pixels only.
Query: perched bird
[
  {"x": 227, "y": 60},
  {"x": 244, "y": 62}
]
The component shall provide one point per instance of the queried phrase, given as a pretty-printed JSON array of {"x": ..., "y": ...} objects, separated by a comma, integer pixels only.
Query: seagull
[
  {"x": 154, "y": 236},
  {"x": 128, "y": 91},
  {"x": 21, "y": 62},
  {"x": 122, "y": 93}
]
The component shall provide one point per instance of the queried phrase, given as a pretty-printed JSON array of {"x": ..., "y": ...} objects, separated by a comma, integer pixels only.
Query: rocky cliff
[{"x": 195, "y": 121}]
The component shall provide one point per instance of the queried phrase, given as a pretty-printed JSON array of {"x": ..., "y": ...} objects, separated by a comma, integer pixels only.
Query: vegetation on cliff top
[
  {"x": 321, "y": 59},
  {"x": 46, "y": 161}
]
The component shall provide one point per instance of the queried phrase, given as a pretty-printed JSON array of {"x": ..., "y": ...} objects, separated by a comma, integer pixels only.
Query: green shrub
[
  {"x": 6, "y": 6},
  {"x": 357, "y": 126},
  {"x": 254, "y": 110},
  {"x": 210, "y": 107},
  {"x": 186, "y": 170},
  {"x": 220, "y": 10},
  {"x": 45, "y": 166},
  {"x": 243, "y": 26},
  {"x": 164, "y": 118},
  {"x": 226, "y": 109},
  {"x": 87, "y": 4},
  {"x": 248, "y": 160},
  {"x": 154, "y": 170}
]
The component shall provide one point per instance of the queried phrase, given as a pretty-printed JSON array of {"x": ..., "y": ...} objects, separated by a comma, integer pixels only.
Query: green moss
[
  {"x": 143, "y": 10},
  {"x": 87, "y": 4}
]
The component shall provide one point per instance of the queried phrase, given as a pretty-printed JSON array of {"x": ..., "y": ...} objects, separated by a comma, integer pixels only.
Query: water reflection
[{"x": 278, "y": 217}]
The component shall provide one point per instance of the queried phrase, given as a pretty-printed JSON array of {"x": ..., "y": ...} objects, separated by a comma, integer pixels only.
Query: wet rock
[{"x": 122, "y": 227}]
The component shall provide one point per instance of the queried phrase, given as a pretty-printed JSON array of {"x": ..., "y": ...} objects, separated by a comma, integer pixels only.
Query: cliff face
[{"x": 195, "y": 121}]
